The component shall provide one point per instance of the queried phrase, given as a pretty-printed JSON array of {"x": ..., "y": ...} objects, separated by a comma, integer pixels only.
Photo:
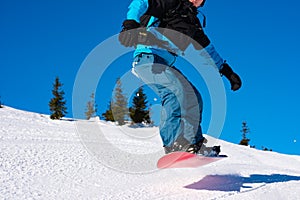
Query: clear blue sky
[{"x": 40, "y": 40}]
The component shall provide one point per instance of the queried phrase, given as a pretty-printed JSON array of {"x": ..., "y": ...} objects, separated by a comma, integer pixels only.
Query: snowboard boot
[
  {"x": 181, "y": 144},
  {"x": 195, "y": 148},
  {"x": 176, "y": 146},
  {"x": 210, "y": 151}
]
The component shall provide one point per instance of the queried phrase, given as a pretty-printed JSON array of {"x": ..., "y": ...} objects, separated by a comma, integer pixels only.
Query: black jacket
[{"x": 181, "y": 16}]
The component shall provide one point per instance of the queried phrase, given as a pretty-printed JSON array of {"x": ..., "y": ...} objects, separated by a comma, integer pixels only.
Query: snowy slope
[{"x": 45, "y": 159}]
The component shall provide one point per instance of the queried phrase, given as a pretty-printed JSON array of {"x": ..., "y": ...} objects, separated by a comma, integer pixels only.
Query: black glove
[
  {"x": 127, "y": 36},
  {"x": 234, "y": 79}
]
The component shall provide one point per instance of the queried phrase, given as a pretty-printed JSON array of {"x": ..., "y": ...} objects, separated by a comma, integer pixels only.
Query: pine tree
[
  {"x": 57, "y": 104},
  {"x": 108, "y": 115},
  {"x": 119, "y": 105},
  {"x": 1, "y": 106},
  {"x": 91, "y": 109},
  {"x": 245, "y": 130},
  {"x": 266, "y": 149},
  {"x": 138, "y": 112}
]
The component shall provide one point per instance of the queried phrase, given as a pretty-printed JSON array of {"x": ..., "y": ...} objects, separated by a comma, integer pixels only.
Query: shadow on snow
[{"x": 236, "y": 183}]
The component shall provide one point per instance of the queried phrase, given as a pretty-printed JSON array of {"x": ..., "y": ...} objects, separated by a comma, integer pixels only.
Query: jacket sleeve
[{"x": 137, "y": 8}]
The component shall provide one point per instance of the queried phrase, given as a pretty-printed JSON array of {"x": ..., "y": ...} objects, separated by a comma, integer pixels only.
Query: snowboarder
[{"x": 154, "y": 56}]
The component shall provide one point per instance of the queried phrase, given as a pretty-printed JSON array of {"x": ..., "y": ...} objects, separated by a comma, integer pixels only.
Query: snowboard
[{"x": 185, "y": 160}]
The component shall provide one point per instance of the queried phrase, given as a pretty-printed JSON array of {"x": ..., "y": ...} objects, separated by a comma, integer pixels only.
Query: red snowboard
[{"x": 184, "y": 160}]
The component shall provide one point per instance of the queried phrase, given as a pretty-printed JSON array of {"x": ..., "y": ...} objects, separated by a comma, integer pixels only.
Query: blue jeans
[{"x": 181, "y": 102}]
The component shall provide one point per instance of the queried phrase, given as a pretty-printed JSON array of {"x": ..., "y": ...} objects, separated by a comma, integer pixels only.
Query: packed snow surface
[{"x": 42, "y": 158}]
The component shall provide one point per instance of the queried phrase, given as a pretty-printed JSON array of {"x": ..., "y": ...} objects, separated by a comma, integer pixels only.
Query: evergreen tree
[
  {"x": 119, "y": 105},
  {"x": 138, "y": 112},
  {"x": 266, "y": 149},
  {"x": 91, "y": 109},
  {"x": 1, "y": 106},
  {"x": 108, "y": 115},
  {"x": 57, "y": 104},
  {"x": 245, "y": 130}
]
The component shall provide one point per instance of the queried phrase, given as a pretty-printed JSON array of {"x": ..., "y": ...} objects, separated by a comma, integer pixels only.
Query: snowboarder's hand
[
  {"x": 129, "y": 34},
  {"x": 234, "y": 79}
]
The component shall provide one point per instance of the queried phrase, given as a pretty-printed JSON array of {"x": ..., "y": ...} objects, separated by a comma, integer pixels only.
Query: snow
[{"x": 78, "y": 159}]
